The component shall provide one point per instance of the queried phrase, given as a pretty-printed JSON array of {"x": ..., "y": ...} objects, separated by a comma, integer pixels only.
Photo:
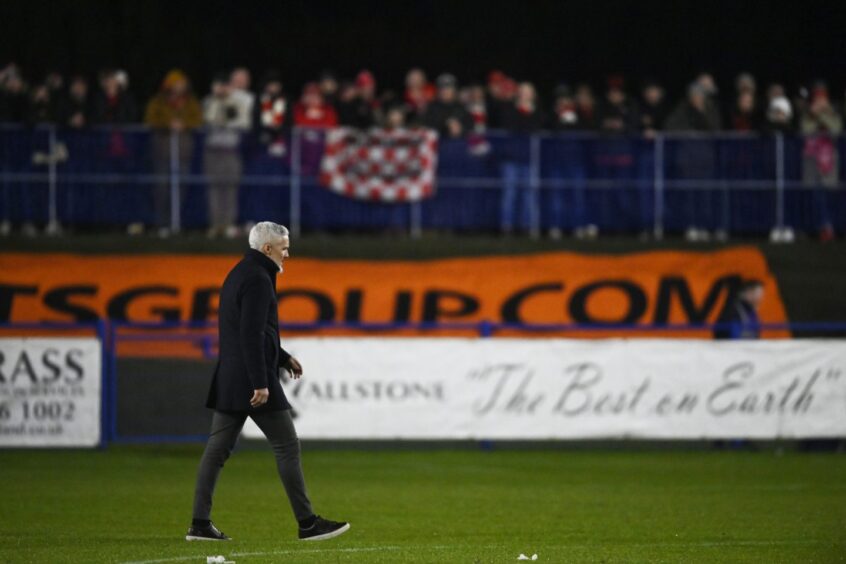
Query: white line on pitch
[
  {"x": 266, "y": 553},
  {"x": 703, "y": 544}
]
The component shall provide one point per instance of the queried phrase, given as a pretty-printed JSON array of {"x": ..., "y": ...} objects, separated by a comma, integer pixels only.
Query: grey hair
[{"x": 266, "y": 232}]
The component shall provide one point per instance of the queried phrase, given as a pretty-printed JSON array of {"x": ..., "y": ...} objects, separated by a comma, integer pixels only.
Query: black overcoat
[{"x": 250, "y": 353}]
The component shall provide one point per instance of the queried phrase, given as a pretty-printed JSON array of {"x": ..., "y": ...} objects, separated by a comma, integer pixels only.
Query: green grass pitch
[{"x": 132, "y": 504}]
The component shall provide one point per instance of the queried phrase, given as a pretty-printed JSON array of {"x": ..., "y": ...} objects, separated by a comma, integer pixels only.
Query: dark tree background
[{"x": 546, "y": 41}]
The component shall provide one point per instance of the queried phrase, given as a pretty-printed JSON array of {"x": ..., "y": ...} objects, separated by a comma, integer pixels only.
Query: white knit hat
[{"x": 781, "y": 104}]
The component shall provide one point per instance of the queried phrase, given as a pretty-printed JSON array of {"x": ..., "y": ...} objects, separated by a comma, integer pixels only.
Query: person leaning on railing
[
  {"x": 271, "y": 116},
  {"x": 696, "y": 160},
  {"x": 565, "y": 203},
  {"x": 779, "y": 116},
  {"x": 821, "y": 124},
  {"x": 112, "y": 104},
  {"x": 446, "y": 114},
  {"x": 173, "y": 111},
  {"x": 313, "y": 114},
  {"x": 227, "y": 115},
  {"x": 522, "y": 118}
]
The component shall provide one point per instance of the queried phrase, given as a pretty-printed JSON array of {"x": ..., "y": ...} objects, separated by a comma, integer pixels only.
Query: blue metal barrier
[{"x": 731, "y": 183}]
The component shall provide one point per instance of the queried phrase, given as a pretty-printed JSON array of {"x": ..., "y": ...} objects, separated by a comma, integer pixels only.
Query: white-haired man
[{"x": 246, "y": 384}]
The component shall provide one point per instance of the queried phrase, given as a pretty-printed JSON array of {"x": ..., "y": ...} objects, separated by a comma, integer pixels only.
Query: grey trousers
[
  {"x": 278, "y": 427},
  {"x": 162, "y": 169},
  {"x": 223, "y": 169}
]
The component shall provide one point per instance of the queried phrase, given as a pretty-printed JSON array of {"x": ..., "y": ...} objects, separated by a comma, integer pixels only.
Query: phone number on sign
[{"x": 40, "y": 411}]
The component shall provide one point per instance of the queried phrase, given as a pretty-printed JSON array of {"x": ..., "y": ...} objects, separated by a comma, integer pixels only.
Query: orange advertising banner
[{"x": 646, "y": 289}]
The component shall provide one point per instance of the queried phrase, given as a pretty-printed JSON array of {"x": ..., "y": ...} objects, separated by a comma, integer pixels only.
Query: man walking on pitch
[{"x": 246, "y": 384}]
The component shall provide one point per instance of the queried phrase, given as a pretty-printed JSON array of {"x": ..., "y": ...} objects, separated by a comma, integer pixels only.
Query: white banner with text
[
  {"x": 394, "y": 388},
  {"x": 50, "y": 392}
]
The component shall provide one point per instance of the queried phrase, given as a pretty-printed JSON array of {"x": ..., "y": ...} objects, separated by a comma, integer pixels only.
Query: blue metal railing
[{"x": 731, "y": 182}]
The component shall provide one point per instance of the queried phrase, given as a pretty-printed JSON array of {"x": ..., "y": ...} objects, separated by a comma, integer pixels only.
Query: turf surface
[{"x": 133, "y": 503}]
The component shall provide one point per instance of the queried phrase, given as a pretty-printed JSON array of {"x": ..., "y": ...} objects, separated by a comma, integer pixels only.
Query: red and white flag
[{"x": 385, "y": 165}]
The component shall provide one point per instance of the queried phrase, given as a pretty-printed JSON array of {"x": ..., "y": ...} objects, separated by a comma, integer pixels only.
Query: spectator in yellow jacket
[{"x": 173, "y": 113}]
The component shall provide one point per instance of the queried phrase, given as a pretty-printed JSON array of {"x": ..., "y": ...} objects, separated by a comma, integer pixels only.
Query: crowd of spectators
[
  {"x": 454, "y": 109},
  {"x": 71, "y": 101}
]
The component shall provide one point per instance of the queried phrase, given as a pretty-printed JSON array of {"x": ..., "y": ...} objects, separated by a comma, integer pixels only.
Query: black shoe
[
  {"x": 323, "y": 529},
  {"x": 210, "y": 533}
]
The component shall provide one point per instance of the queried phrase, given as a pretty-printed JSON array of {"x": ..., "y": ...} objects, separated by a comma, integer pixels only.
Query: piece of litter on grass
[
  {"x": 534, "y": 556},
  {"x": 522, "y": 557}
]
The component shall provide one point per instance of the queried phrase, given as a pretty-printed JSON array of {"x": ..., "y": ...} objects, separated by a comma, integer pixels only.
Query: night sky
[{"x": 545, "y": 41}]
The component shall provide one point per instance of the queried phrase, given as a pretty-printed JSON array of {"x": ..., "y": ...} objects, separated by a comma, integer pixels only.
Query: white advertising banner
[
  {"x": 383, "y": 388},
  {"x": 50, "y": 392}
]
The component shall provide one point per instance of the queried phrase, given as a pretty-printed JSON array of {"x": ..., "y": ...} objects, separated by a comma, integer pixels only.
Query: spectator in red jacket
[
  {"x": 312, "y": 110},
  {"x": 314, "y": 113}
]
